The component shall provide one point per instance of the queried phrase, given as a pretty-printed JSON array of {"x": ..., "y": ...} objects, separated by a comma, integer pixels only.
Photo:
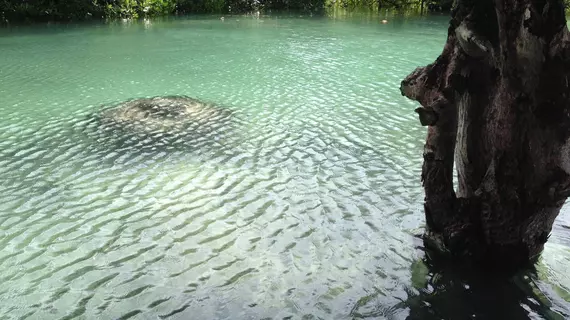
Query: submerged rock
[
  {"x": 171, "y": 114},
  {"x": 171, "y": 123}
]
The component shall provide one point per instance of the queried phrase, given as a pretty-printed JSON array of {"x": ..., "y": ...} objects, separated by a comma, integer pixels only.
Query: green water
[{"x": 304, "y": 205}]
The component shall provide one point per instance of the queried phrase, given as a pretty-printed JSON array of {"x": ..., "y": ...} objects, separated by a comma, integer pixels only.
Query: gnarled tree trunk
[{"x": 497, "y": 104}]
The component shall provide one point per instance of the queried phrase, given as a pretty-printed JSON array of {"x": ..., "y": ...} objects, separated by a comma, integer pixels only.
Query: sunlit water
[{"x": 303, "y": 204}]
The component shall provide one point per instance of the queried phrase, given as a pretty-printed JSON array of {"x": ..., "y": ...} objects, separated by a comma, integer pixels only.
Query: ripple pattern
[{"x": 302, "y": 205}]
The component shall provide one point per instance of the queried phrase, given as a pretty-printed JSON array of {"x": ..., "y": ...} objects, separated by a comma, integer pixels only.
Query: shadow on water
[{"x": 445, "y": 290}]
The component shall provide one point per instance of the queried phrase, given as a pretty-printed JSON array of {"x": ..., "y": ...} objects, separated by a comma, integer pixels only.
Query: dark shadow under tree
[
  {"x": 496, "y": 103},
  {"x": 454, "y": 291}
]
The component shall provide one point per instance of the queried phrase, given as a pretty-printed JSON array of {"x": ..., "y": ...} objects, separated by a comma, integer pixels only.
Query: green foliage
[
  {"x": 200, "y": 6},
  {"x": 34, "y": 10},
  {"x": 132, "y": 9},
  {"x": 44, "y": 10},
  {"x": 305, "y": 5},
  {"x": 432, "y": 5},
  {"x": 439, "y": 5},
  {"x": 158, "y": 7},
  {"x": 123, "y": 9},
  {"x": 355, "y": 3}
]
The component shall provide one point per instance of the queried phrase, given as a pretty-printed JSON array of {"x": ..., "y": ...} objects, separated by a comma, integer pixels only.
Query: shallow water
[{"x": 303, "y": 204}]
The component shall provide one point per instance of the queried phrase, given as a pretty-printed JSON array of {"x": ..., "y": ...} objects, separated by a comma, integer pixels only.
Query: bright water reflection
[{"x": 303, "y": 205}]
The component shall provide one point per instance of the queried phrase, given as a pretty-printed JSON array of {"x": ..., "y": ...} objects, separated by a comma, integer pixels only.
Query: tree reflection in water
[{"x": 445, "y": 290}]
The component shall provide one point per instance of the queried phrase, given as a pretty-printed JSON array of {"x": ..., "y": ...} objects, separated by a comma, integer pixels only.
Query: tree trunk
[{"x": 496, "y": 102}]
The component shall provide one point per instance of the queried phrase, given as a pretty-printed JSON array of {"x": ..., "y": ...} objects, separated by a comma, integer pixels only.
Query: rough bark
[{"x": 496, "y": 104}]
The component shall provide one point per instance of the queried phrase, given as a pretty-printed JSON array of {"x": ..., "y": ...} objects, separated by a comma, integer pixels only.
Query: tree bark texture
[{"x": 496, "y": 104}]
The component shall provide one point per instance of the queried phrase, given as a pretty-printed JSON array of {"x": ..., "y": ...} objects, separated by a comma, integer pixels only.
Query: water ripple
[{"x": 301, "y": 204}]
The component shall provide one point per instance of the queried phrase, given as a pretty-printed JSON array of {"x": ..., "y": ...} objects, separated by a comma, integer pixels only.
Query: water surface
[{"x": 303, "y": 205}]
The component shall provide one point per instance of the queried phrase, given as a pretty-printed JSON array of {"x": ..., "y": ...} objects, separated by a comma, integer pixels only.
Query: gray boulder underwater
[
  {"x": 164, "y": 121},
  {"x": 164, "y": 114}
]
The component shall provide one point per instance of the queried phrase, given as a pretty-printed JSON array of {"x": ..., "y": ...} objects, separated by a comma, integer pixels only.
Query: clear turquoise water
[{"x": 305, "y": 205}]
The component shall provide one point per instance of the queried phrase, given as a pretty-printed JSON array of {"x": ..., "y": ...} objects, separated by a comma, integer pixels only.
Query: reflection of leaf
[
  {"x": 563, "y": 293},
  {"x": 549, "y": 275},
  {"x": 419, "y": 274},
  {"x": 364, "y": 301},
  {"x": 333, "y": 292}
]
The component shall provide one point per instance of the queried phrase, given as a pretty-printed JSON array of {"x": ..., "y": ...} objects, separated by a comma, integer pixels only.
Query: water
[{"x": 304, "y": 205}]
